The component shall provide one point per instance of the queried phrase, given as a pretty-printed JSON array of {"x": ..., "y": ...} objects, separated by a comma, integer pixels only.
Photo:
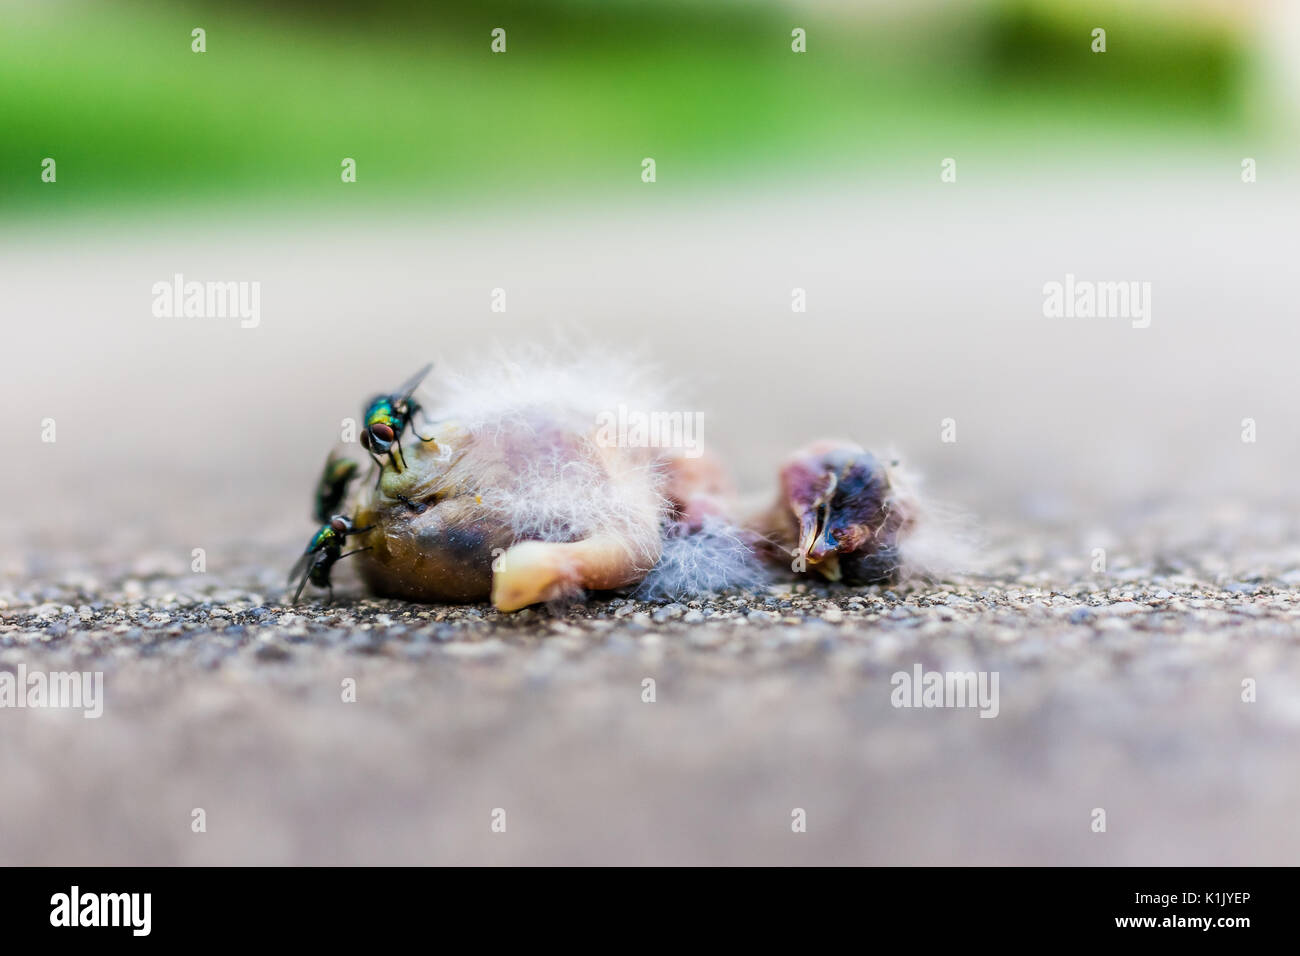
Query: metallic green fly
[
  {"x": 332, "y": 487},
  {"x": 387, "y": 416},
  {"x": 324, "y": 551}
]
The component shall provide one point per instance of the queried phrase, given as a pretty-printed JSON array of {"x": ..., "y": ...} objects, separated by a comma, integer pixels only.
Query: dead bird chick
[{"x": 517, "y": 495}]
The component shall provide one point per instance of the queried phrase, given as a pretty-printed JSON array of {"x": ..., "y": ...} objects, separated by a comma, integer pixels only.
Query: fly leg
[
  {"x": 330, "y": 585},
  {"x": 412, "y": 409},
  {"x": 379, "y": 477}
]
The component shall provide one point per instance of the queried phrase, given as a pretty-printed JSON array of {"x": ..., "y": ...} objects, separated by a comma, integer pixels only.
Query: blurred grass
[{"x": 412, "y": 92}]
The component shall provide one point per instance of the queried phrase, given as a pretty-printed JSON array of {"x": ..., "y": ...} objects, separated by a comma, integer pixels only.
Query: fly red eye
[
  {"x": 339, "y": 524},
  {"x": 382, "y": 432}
]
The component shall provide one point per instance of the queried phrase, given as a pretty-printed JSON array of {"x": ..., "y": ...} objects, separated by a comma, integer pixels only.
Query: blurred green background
[
  {"x": 586, "y": 88},
  {"x": 521, "y": 171}
]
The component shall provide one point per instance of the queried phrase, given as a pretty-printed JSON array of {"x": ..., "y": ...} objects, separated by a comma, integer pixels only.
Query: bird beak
[
  {"x": 822, "y": 548},
  {"x": 814, "y": 529}
]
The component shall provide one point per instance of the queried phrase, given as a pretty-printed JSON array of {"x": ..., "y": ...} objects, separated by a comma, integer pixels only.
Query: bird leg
[{"x": 534, "y": 571}]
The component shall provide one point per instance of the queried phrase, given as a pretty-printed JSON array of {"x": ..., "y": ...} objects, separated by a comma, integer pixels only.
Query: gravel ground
[{"x": 1120, "y": 691}]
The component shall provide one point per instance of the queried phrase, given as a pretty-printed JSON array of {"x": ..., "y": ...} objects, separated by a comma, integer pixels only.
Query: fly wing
[
  {"x": 299, "y": 567},
  {"x": 407, "y": 388},
  {"x": 301, "y": 584}
]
